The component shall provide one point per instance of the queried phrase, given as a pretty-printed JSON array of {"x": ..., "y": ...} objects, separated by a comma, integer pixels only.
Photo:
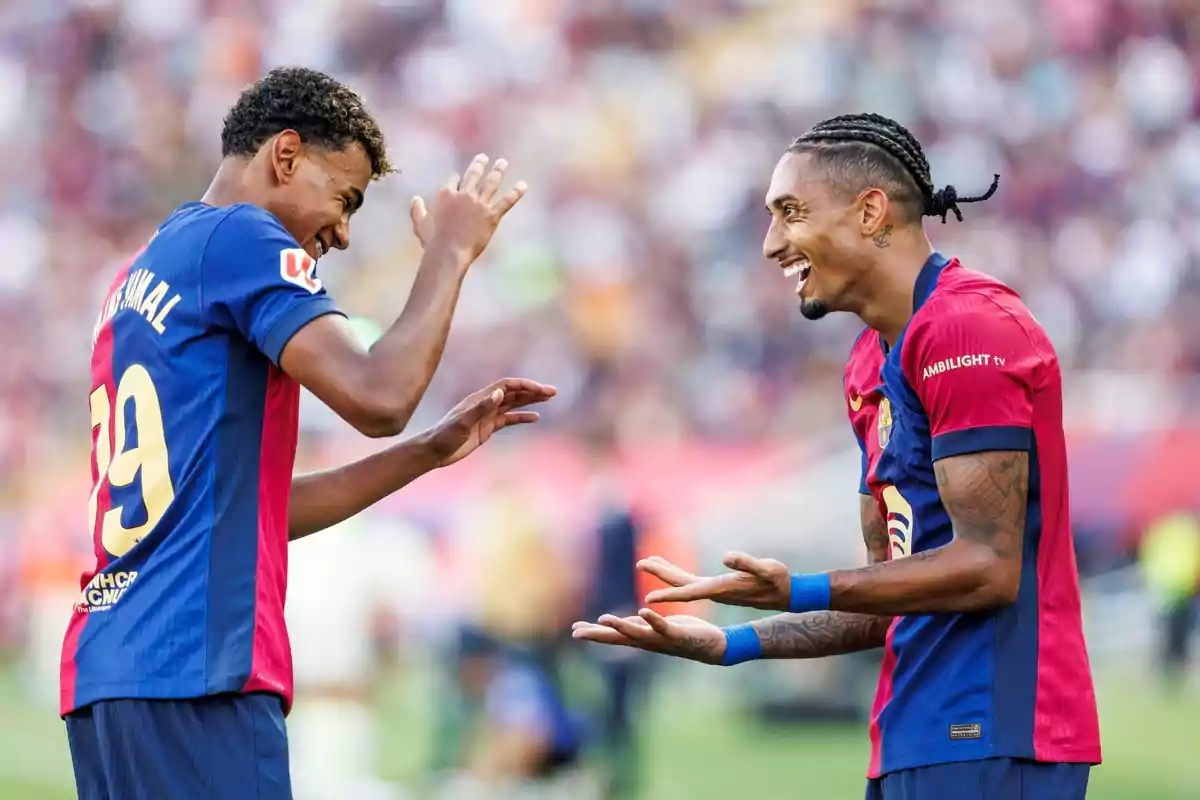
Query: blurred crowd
[{"x": 631, "y": 275}]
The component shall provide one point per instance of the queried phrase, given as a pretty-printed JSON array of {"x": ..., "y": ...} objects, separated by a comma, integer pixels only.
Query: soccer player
[
  {"x": 955, "y": 396},
  {"x": 176, "y": 668}
]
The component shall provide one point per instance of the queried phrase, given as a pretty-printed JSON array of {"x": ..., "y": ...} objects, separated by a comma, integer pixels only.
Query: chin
[{"x": 813, "y": 309}]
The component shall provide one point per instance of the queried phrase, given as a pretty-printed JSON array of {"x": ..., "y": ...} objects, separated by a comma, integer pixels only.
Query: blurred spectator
[
  {"x": 615, "y": 590},
  {"x": 1170, "y": 559}
]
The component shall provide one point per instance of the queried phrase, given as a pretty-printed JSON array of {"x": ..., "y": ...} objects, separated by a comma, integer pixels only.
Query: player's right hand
[
  {"x": 467, "y": 210},
  {"x": 762, "y": 583},
  {"x": 682, "y": 636}
]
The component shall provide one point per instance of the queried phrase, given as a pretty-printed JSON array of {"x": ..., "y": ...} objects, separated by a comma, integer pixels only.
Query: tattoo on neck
[{"x": 883, "y": 238}]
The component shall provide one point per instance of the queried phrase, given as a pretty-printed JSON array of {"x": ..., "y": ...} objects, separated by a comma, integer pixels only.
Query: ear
[
  {"x": 287, "y": 150},
  {"x": 874, "y": 209}
]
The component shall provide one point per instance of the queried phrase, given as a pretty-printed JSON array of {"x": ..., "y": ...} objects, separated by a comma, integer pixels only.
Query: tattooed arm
[
  {"x": 830, "y": 633},
  {"x": 822, "y": 633},
  {"x": 985, "y": 495}
]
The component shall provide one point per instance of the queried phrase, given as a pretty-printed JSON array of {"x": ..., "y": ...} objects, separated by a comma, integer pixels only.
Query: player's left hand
[
  {"x": 473, "y": 421},
  {"x": 754, "y": 583},
  {"x": 679, "y": 635}
]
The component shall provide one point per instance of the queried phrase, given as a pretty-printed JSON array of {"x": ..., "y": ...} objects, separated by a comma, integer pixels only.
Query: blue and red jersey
[
  {"x": 194, "y": 431},
  {"x": 973, "y": 371}
]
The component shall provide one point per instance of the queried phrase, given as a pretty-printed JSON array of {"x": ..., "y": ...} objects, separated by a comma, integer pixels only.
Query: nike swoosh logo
[{"x": 855, "y": 402}]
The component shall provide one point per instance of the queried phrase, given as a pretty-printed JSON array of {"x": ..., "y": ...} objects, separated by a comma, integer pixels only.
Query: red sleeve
[{"x": 974, "y": 369}]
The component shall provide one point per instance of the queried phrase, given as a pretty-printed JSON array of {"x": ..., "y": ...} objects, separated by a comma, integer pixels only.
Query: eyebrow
[{"x": 781, "y": 199}]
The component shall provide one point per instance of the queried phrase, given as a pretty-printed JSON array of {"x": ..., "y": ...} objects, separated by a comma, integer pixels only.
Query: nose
[
  {"x": 774, "y": 243},
  {"x": 341, "y": 234}
]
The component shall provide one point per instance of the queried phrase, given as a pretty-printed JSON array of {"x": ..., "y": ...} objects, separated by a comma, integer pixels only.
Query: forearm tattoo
[{"x": 830, "y": 633}]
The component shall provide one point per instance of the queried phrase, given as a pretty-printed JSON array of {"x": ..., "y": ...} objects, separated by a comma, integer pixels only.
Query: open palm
[
  {"x": 472, "y": 422},
  {"x": 678, "y": 635}
]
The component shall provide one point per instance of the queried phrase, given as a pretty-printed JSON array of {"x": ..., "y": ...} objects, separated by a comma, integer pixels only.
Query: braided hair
[{"x": 851, "y": 144}]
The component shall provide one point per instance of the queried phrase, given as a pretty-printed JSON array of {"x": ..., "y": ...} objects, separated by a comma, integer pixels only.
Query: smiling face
[
  {"x": 820, "y": 234},
  {"x": 316, "y": 190}
]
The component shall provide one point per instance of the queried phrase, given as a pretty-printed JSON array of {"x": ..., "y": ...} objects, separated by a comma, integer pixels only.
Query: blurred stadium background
[{"x": 691, "y": 391}]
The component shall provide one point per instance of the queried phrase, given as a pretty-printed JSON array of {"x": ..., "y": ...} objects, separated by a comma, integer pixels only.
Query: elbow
[
  {"x": 987, "y": 579},
  {"x": 999, "y": 582},
  {"x": 378, "y": 418}
]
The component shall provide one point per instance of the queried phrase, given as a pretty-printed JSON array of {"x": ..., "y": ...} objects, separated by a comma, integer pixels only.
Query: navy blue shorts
[
  {"x": 224, "y": 747},
  {"x": 992, "y": 779}
]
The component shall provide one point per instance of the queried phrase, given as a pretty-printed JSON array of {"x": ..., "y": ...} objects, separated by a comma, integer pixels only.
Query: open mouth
[
  {"x": 798, "y": 266},
  {"x": 320, "y": 247}
]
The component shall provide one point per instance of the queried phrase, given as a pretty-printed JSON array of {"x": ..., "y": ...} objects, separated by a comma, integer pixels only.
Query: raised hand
[
  {"x": 473, "y": 421},
  {"x": 681, "y": 636},
  {"x": 467, "y": 210},
  {"x": 754, "y": 583}
]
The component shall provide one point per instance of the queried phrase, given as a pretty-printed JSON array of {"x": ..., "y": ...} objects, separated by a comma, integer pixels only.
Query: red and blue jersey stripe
[
  {"x": 973, "y": 372},
  {"x": 194, "y": 430}
]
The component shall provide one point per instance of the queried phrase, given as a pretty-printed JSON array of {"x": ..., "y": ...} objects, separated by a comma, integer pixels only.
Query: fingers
[
  {"x": 417, "y": 212},
  {"x": 490, "y": 185},
  {"x": 656, "y": 621},
  {"x": 744, "y": 563},
  {"x": 519, "y": 392},
  {"x": 589, "y": 632},
  {"x": 518, "y": 418},
  {"x": 514, "y": 195},
  {"x": 700, "y": 589},
  {"x": 470, "y": 178},
  {"x": 665, "y": 571},
  {"x": 525, "y": 385},
  {"x": 633, "y": 628}
]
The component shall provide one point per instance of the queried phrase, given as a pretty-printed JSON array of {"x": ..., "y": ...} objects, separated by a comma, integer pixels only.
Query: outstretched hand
[
  {"x": 468, "y": 209},
  {"x": 754, "y": 583},
  {"x": 473, "y": 421},
  {"x": 682, "y": 636}
]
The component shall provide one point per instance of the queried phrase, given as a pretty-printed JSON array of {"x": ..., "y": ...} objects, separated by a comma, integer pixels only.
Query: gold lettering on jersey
[
  {"x": 959, "y": 362},
  {"x": 135, "y": 294}
]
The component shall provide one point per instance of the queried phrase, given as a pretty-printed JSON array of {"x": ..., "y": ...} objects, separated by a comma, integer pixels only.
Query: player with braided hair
[{"x": 955, "y": 396}]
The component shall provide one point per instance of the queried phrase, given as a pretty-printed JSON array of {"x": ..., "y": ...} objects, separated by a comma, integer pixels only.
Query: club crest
[{"x": 884, "y": 425}]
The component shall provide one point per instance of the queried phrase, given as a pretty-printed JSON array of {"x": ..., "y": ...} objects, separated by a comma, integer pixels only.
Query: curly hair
[
  {"x": 319, "y": 108},
  {"x": 872, "y": 150}
]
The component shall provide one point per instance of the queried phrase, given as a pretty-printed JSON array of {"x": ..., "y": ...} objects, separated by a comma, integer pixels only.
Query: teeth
[{"x": 795, "y": 269}]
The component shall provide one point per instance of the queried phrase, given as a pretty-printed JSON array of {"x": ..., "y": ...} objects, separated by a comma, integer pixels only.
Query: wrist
[
  {"x": 446, "y": 257},
  {"x": 809, "y": 593},
  {"x": 741, "y": 644},
  {"x": 425, "y": 446}
]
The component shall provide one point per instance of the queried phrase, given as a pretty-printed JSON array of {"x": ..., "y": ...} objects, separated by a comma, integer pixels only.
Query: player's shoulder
[
  {"x": 970, "y": 309},
  {"x": 966, "y": 298},
  {"x": 243, "y": 223}
]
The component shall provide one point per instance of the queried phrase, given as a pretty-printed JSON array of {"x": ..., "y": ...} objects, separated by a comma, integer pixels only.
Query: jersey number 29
[{"x": 118, "y": 465}]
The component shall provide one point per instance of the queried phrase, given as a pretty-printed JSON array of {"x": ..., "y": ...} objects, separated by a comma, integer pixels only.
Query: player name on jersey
[{"x": 134, "y": 293}]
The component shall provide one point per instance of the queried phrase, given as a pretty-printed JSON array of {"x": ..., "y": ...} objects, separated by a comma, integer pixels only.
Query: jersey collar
[
  {"x": 926, "y": 283},
  {"x": 928, "y": 278}
]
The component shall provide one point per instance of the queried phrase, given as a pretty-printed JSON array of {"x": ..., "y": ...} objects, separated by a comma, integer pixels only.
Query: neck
[
  {"x": 887, "y": 303},
  {"x": 229, "y": 186}
]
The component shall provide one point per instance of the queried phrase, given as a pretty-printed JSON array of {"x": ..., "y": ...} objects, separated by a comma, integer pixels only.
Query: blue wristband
[
  {"x": 809, "y": 593},
  {"x": 741, "y": 644}
]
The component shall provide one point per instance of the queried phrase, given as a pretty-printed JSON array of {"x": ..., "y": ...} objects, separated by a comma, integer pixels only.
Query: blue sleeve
[{"x": 256, "y": 279}]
